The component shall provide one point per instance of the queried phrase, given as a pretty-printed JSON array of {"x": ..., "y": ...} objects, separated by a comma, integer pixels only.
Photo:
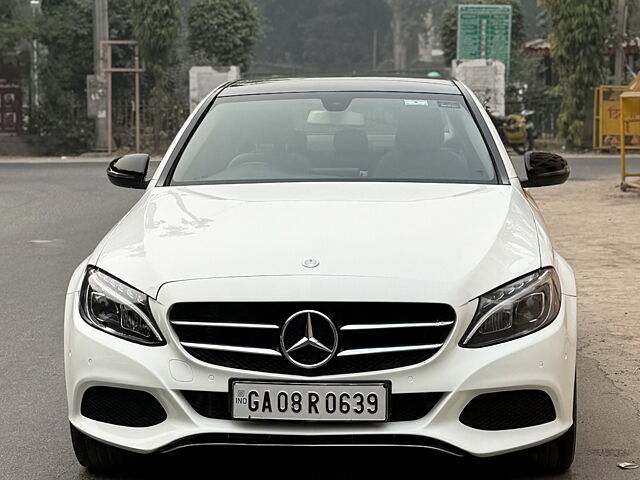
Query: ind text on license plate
[{"x": 309, "y": 401}]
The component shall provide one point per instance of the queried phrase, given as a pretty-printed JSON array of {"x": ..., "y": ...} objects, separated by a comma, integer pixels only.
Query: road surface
[{"x": 53, "y": 215}]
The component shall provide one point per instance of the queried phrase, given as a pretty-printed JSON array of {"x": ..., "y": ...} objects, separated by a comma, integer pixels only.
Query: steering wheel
[{"x": 245, "y": 159}]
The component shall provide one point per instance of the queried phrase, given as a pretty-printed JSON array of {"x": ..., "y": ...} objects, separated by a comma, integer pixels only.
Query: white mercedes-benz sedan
[{"x": 336, "y": 261}]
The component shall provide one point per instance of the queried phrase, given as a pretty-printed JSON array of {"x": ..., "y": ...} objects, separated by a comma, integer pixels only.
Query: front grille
[
  {"x": 122, "y": 406},
  {"x": 372, "y": 336},
  {"x": 508, "y": 410},
  {"x": 403, "y": 407}
]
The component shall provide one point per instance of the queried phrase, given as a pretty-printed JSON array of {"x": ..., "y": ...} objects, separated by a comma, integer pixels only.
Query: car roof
[{"x": 339, "y": 84}]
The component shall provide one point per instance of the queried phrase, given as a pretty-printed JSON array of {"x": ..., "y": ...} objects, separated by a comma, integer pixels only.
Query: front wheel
[
  {"x": 557, "y": 455},
  {"x": 531, "y": 136},
  {"x": 98, "y": 456},
  {"x": 520, "y": 148}
]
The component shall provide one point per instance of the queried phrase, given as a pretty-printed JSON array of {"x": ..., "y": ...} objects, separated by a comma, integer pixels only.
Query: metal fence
[{"x": 545, "y": 116}]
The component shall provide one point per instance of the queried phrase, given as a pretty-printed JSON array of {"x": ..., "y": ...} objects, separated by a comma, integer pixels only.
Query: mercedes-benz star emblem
[{"x": 309, "y": 339}]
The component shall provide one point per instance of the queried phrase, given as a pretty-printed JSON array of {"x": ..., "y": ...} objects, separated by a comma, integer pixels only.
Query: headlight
[
  {"x": 514, "y": 310},
  {"x": 116, "y": 308}
]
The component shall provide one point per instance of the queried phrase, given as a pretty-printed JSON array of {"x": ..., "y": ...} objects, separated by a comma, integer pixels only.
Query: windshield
[{"x": 336, "y": 137}]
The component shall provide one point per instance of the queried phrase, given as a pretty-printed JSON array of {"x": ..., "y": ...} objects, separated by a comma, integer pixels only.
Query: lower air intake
[
  {"x": 508, "y": 410},
  {"x": 122, "y": 406}
]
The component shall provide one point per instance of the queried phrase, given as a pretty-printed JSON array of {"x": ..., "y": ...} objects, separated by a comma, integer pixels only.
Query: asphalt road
[
  {"x": 52, "y": 216},
  {"x": 589, "y": 167}
]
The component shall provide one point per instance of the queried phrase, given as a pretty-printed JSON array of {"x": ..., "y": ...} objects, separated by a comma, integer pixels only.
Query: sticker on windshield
[
  {"x": 416, "y": 103},
  {"x": 448, "y": 104}
]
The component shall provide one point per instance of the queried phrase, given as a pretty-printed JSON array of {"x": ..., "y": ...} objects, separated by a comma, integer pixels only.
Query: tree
[
  {"x": 156, "y": 26},
  {"x": 120, "y": 28},
  {"x": 282, "y": 26},
  {"x": 578, "y": 45},
  {"x": 449, "y": 27},
  {"x": 408, "y": 20},
  {"x": 224, "y": 31},
  {"x": 532, "y": 13},
  {"x": 65, "y": 29},
  {"x": 327, "y": 35},
  {"x": 14, "y": 30},
  {"x": 340, "y": 36}
]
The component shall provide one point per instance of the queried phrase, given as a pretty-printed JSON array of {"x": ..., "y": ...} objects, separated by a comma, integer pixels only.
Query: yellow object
[
  {"x": 629, "y": 121},
  {"x": 515, "y": 131},
  {"x": 606, "y": 116}
]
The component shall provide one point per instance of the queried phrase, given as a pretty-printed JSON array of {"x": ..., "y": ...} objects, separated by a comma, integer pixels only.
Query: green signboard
[{"x": 484, "y": 31}]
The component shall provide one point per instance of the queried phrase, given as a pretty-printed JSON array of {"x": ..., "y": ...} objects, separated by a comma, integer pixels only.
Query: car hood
[{"x": 458, "y": 238}]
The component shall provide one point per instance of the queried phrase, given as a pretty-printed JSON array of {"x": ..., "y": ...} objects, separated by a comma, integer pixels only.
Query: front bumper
[{"x": 544, "y": 360}]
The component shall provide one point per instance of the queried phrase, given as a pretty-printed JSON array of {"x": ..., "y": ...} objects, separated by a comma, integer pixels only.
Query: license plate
[{"x": 350, "y": 402}]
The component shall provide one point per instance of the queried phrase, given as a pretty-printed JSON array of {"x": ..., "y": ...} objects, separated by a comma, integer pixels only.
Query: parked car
[{"x": 346, "y": 261}]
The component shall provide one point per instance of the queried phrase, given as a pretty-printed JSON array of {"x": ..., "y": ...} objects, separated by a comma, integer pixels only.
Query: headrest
[
  {"x": 297, "y": 142},
  {"x": 350, "y": 141},
  {"x": 274, "y": 127},
  {"x": 419, "y": 129}
]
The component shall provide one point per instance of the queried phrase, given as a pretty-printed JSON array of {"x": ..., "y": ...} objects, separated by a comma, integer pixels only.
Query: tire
[
  {"x": 531, "y": 144},
  {"x": 528, "y": 145},
  {"x": 557, "y": 455},
  {"x": 520, "y": 148},
  {"x": 97, "y": 456}
]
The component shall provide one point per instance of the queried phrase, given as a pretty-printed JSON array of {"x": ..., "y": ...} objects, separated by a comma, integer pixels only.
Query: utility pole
[
  {"x": 430, "y": 37},
  {"x": 399, "y": 35},
  {"x": 621, "y": 22},
  {"x": 34, "y": 97},
  {"x": 375, "y": 50},
  {"x": 100, "y": 33}
]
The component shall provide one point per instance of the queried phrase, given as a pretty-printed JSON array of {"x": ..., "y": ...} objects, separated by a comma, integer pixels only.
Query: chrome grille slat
[
  {"x": 246, "y": 335},
  {"x": 376, "y": 350},
  {"x": 225, "y": 324},
  {"x": 232, "y": 348},
  {"x": 381, "y": 326}
]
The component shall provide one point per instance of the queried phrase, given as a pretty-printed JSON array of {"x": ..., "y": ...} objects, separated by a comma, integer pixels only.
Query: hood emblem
[
  {"x": 309, "y": 339},
  {"x": 310, "y": 263}
]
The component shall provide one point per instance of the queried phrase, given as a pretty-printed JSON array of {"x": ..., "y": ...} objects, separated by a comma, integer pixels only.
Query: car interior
[{"x": 371, "y": 139}]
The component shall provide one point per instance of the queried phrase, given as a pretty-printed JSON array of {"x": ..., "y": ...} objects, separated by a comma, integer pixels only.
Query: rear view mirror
[
  {"x": 129, "y": 171},
  {"x": 343, "y": 119},
  {"x": 545, "y": 169}
]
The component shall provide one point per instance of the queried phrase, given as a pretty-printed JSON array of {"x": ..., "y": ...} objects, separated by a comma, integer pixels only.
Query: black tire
[
  {"x": 527, "y": 146},
  {"x": 98, "y": 456},
  {"x": 557, "y": 455},
  {"x": 531, "y": 144},
  {"x": 520, "y": 148}
]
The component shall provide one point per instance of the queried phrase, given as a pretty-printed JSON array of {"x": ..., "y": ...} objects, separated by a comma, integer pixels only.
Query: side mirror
[
  {"x": 129, "y": 171},
  {"x": 544, "y": 169}
]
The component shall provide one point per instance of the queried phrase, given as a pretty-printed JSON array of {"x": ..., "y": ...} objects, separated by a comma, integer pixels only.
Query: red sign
[{"x": 10, "y": 100}]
